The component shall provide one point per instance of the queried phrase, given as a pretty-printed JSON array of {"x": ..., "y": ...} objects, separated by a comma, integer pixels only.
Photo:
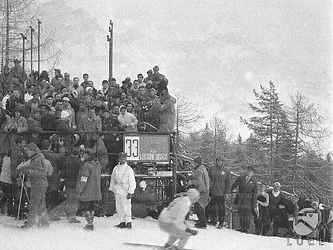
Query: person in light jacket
[
  {"x": 123, "y": 184},
  {"x": 37, "y": 172},
  {"x": 200, "y": 181},
  {"x": 172, "y": 219}
]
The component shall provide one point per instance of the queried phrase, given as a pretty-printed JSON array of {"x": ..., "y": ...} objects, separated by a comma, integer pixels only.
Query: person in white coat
[
  {"x": 172, "y": 219},
  {"x": 123, "y": 184}
]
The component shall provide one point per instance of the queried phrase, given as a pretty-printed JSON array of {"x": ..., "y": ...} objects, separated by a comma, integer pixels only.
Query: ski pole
[{"x": 20, "y": 200}]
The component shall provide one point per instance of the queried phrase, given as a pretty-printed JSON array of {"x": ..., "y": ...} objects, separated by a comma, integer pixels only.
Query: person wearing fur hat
[
  {"x": 123, "y": 184},
  {"x": 172, "y": 219},
  {"x": 36, "y": 171},
  {"x": 200, "y": 180},
  {"x": 246, "y": 198},
  {"x": 88, "y": 187}
]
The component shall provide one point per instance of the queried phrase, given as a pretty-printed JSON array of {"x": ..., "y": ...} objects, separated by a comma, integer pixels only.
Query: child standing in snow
[{"x": 172, "y": 220}]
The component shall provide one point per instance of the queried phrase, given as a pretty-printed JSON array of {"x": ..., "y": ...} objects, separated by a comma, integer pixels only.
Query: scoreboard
[{"x": 147, "y": 148}]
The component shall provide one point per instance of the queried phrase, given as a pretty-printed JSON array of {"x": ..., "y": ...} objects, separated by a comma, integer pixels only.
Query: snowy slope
[{"x": 61, "y": 235}]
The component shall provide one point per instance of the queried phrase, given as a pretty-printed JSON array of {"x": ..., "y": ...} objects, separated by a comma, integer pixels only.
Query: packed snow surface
[{"x": 65, "y": 236}]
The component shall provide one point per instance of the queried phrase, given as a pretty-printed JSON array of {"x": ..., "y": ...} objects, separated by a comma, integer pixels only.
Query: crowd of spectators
[{"x": 39, "y": 103}]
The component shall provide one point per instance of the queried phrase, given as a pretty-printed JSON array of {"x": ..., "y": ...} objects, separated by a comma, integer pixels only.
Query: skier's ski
[
  {"x": 150, "y": 246},
  {"x": 2, "y": 224}
]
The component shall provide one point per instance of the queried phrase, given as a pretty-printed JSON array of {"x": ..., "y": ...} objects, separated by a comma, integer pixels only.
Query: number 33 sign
[{"x": 147, "y": 148}]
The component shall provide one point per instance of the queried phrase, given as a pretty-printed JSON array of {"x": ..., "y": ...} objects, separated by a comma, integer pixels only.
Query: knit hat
[
  {"x": 193, "y": 194},
  {"x": 45, "y": 144},
  {"x": 143, "y": 185},
  {"x": 122, "y": 155},
  {"x": 33, "y": 147}
]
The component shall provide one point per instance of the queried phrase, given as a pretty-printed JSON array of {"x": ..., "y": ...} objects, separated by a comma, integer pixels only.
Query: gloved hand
[
  {"x": 129, "y": 196},
  {"x": 191, "y": 231}
]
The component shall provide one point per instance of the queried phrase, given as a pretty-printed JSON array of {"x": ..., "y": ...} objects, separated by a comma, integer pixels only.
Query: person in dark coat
[
  {"x": 141, "y": 200},
  {"x": 88, "y": 187},
  {"x": 261, "y": 215},
  {"x": 53, "y": 195},
  {"x": 49, "y": 120},
  {"x": 220, "y": 178},
  {"x": 70, "y": 168},
  {"x": 246, "y": 198},
  {"x": 275, "y": 197},
  {"x": 200, "y": 181}
]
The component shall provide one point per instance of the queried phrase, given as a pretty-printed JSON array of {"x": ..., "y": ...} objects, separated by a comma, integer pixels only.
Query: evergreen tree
[{"x": 269, "y": 126}]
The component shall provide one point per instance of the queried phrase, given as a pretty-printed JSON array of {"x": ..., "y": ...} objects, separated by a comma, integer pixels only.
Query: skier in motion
[{"x": 172, "y": 220}]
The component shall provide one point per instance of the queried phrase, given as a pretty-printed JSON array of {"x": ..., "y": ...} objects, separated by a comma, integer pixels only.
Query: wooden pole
[
  {"x": 7, "y": 34},
  {"x": 31, "y": 42},
  {"x": 38, "y": 48},
  {"x": 23, "y": 63}
]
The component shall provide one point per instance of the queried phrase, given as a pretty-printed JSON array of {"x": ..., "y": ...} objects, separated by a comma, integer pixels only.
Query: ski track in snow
[{"x": 65, "y": 236}]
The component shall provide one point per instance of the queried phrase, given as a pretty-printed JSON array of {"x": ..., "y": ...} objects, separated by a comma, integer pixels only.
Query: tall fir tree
[{"x": 269, "y": 126}]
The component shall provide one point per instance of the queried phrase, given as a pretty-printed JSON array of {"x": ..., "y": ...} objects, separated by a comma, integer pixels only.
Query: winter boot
[
  {"x": 220, "y": 226},
  {"x": 89, "y": 227},
  {"x": 200, "y": 225},
  {"x": 129, "y": 225},
  {"x": 212, "y": 222},
  {"x": 121, "y": 225}
]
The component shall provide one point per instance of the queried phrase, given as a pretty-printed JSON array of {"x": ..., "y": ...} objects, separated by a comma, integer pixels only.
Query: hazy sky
[{"x": 216, "y": 52}]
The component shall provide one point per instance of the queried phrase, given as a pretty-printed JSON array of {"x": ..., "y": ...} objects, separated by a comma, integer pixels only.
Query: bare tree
[
  {"x": 17, "y": 16},
  {"x": 306, "y": 124}
]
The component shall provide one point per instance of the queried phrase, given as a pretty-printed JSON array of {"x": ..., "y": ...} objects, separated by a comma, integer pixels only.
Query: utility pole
[
  {"x": 7, "y": 34},
  {"x": 215, "y": 142},
  {"x": 176, "y": 151},
  {"x": 110, "y": 40},
  {"x": 38, "y": 48},
  {"x": 23, "y": 62},
  {"x": 31, "y": 42},
  {"x": 2, "y": 49}
]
